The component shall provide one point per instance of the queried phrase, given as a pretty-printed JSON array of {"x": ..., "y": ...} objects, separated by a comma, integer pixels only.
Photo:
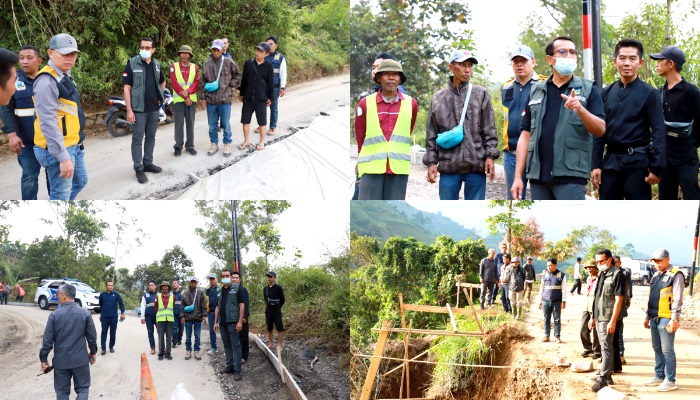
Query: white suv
[{"x": 85, "y": 296}]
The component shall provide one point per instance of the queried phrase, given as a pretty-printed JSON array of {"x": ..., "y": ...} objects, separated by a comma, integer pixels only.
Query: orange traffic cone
[{"x": 148, "y": 388}]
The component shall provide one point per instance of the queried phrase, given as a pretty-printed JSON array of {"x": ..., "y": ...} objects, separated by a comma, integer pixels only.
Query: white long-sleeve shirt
[{"x": 283, "y": 73}]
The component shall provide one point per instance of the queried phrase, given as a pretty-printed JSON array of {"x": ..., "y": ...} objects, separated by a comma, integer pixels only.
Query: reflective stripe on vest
[
  {"x": 24, "y": 112},
  {"x": 165, "y": 314},
  {"x": 661, "y": 294},
  {"x": 185, "y": 85},
  {"x": 376, "y": 150},
  {"x": 71, "y": 119},
  {"x": 552, "y": 286}
]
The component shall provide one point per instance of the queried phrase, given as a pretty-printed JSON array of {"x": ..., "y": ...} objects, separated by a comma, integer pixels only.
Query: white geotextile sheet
[{"x": 311, "y": 164}]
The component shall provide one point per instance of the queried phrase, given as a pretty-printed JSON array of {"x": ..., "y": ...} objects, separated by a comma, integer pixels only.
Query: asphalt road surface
[{"x": 109, "y": 165}]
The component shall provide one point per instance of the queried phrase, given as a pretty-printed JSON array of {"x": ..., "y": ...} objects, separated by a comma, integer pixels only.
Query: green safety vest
[
  {"x": 138, "y": 89},
  {"x": 185, "y": 85},
  {"x": 376, "y": 149},
  {"x": 573, "y": 145},
  {"x": 165, "y": 314}
]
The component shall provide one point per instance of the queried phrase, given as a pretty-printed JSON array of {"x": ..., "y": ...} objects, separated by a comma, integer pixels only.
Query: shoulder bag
[{"x": 454, "y": 136}]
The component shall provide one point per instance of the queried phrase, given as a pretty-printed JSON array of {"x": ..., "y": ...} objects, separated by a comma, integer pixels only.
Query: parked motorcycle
[{"x": 116, "y": 122}]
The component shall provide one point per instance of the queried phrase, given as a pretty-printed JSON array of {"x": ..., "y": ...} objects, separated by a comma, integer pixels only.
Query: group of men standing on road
[
  {"x": 227, "y": 308},
  {"x": 5, "y": 289},
  {"x": 559, "y": 131},
  {"x": 43, "y": 116}
]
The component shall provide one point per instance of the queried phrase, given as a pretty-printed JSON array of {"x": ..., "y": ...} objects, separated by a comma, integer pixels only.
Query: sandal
[
  {"x": 260, "y": 146},
  {"x": 272, "y": 131},
  {"x": 243, "y": 146},
  {"x": 153, "y": 351}
]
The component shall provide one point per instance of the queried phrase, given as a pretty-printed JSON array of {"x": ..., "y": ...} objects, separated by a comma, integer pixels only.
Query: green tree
[
  {"x": 176, "y": 264},
  {"x": 507, "y": 221}
]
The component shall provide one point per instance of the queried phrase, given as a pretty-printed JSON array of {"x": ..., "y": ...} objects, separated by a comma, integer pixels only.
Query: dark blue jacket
[
  {"x": 276, "y": 59},
  {"x": 211, "y": 294},
  {"x": 23, "y": 126},
  {"x": 178, "y": 301},
  {"x": 108, "y": 304}
]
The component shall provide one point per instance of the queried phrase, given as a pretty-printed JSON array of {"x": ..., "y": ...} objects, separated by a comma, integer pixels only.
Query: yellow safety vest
[
  {"x": 69, "y": 116},
  {"x": 165, "y": 314},
  {"x": 376, "y": 149},
  {"x": 661, "y": 294},
  {"x": 185, "y": 85}
]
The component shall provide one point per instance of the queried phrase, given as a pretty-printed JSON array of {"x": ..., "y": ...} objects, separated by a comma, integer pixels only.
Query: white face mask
[{"x": 603, "y": 267}]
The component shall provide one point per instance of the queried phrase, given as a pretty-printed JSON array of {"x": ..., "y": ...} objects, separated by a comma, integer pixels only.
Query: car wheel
[
  {"x": 43, "y": 303},
  {"x": 645, "y": 281},
  {"x": 79, "y": 303},
  {"x": 97, "y": 310}
]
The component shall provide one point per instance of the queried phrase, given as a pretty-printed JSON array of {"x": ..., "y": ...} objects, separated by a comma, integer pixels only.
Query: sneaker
[
  {"x": 197, "y": 356},
  {"x": 174, "y": 345},
  {"x": 599, "y": 384},
  {"x": 178, "y": 152},
  {"x": 243, "y": 361},
  {"x": 152, "y": 168},
  {"x": 213, "y": 149},
  {"x": 654, "y": 382},
  {"x": 168, "y": 356},
  {"x": 142, "y": 178},
  {"x": 103, "y": 352},
  {"x": 666, "y": 386},
  {"x": 622, "y": 360},
  {"x": 192, "y": 151},
  {"x": 596, "y": 356},
  {"x": 211, "y": 351},
  {"x": 227, "y": 150},
  {"x": 160, "y": 357},
  {"x": 237, "y": 377},
  {"x": 188, "y": 355},
  {"x": 227, "y": 370},
  {"x": 111, "y": 350},
  {"x": 587, "y": 353},
  {"x": 179, "y": 343}
]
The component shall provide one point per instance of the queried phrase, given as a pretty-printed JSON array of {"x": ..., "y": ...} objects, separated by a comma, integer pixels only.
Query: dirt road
[
  {"x": 109, "y": 165},
  {"x": 638, "y": 353}
]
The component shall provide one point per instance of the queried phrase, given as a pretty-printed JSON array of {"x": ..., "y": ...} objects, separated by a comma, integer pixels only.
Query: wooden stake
[
  {"x": 471, "y": 305},
  {"x": 374, "y": 364}
]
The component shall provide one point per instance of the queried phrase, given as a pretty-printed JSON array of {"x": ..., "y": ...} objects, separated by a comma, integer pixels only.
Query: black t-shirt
[
  {"x": 151, "y": 97},
  {"x": 682, "y": 104},
  {"x": 553, "y": 102}
]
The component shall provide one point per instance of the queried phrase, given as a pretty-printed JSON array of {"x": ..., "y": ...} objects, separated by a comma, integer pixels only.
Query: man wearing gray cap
[
  {"x": 514, "y": 96},
  {"x": 59, "y": 124},
  {"x": 470, "y": 160},
  {"x": 681, "y": 104},
  {"x": 561, "y": 118},
  {"x": 663, "y": 319}
]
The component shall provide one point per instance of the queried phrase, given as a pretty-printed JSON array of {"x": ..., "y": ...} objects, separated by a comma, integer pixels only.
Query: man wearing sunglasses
[{"x": 561, "y": 116}]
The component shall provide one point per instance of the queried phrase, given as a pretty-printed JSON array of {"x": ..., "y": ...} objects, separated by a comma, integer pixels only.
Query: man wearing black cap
[
  {"x": 274, "y": 300},
  {"x": 635, "y": 138},
  {"x": 514, "y": 96},
  {"x": 681, "y": 104},
  {"x": 8, "y": 75},
  {"x": 256, "y": 93},
  {"x": 562, "y": 115},
  {"x": 470, "y": 160},
  {"x": 383, "y": 124}
]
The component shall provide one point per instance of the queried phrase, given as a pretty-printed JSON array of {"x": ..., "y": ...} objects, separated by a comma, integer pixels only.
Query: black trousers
[
  {"x": 617, "y": 361},
  {"x": 621, "y": 185},
  {"x": 684, "y": 175},
  {"x": 587, "y": 333},
  {"x": 243, "y": 335},
  {"x": 577, "y": 285}
]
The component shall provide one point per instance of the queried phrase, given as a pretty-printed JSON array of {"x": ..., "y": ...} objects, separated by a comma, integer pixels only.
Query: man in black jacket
[
  {"x": 66, "y": 332},
  {"x": 274, "y": 300},
  {"x": 243, "y": 334},
  {"x": 256, "y": 93}
]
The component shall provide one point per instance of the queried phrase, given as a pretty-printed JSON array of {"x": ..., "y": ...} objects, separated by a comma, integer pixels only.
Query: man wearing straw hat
[
  {"x": 184, "y": 79},
  {"x": 383, "y": 125}
]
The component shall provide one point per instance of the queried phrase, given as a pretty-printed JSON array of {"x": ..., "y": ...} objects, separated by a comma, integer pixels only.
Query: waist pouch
[
  {"x": 190, "y": 308},
  {"x": 454, "y": 136},
  {"x": 212, "y": 86},
  {"x": 679, "y": 129}
]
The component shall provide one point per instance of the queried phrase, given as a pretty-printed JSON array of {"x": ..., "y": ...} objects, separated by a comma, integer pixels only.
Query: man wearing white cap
[
  {"x": 514, "y": 96},
  {"x": 663, "y": 319},
  {"x": 471, "y": 159},
  {"x": 59, "y": 124}
]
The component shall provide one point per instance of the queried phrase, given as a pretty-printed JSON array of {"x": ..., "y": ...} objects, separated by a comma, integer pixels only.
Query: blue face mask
[
  {"x": 226, "y": 281},
  {"x": 145, "y": 54},
  {"x": 565, "y": 66}
]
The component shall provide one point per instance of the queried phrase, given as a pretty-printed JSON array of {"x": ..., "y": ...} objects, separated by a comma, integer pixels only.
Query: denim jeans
[
  {"x": 232, "y": 346},
  {"x": 509, "y": 169},
  {"x": 111, "y": 324},
  {"x": 216, "y": 112},
  {"x": 188, "y": 333},
  {"x": 664, "y": 353},
  {"x": 30, "y": 173},
  {"x": 212, "y": 334},
  {"x": 273, "y": 107},
  {"x": 63, "y": 188},
  {"x": 505, "y": 296},
  {"x": 552, "y": 308},
  {"x": 474, "y": 186}
]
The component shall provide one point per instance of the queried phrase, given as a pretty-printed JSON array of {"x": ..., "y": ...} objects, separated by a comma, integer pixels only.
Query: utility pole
[
  {"x": 597, "y": 50},
  {"x": 587, "y": 51},
  {"x": 236, "y": 243}
]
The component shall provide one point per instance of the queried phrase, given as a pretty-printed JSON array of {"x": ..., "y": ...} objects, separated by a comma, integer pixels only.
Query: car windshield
[{"x": 83, "y": 287}]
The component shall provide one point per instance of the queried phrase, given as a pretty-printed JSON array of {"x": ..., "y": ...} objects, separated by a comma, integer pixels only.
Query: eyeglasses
[
  {"x": 599, "y": 262},
  {"x": 564, "y": 52},
  {"x": 145, "y": 48}
]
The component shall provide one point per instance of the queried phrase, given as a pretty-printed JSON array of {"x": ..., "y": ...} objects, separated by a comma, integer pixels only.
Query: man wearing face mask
[
  {"x": 635, "y": 139},
  {"x": 229, "y": 320},
  {"x": 243, "y": 334},
  {"x": 562, "y": 114},
  {"x": 144, "y": 83}
]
